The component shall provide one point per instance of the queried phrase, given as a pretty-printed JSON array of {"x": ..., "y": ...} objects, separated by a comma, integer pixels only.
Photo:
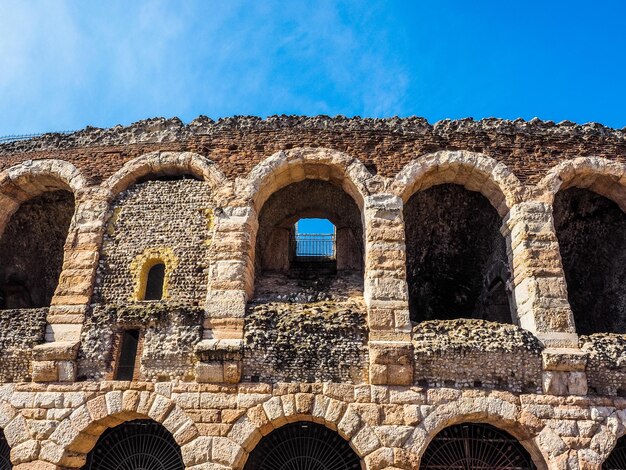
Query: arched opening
[
  {"x": 617, "y": 458},
  {"x": 287, "y": 244},
  {"x": 133, "y": 445},
  {"x": 32, "y": 248},
  {"x": 155, "y": 281},
  {"x": 5, "y": 453},
  {"x": 301, "y": 445},
  {"x": 591, "y": 231},
  {"x": 457, "y": 265},
  {"x": 475, "y": 446}
]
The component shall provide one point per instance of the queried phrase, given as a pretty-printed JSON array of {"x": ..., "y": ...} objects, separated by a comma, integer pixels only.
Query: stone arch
[
  {"x": 588, "y": 200},
  {"x": 473, "y": 171},
  {"x": 42, "y": 185},
  {"x": 263, "y": 418},
  {"x": 608, "y": 432},
  {"x": 17, "y": 434},
  {"x": 499, "y": 413},
  {"x": 75, "y": 436},
  {"x": 31, "y": 178},
  {"x": 295, "y": 165},
  {"x": 164, "y": 163},
  {"x": 603, "y": 176}
]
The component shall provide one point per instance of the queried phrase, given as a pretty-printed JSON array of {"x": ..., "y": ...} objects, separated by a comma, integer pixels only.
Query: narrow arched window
[{"x": 154, "y": 282}]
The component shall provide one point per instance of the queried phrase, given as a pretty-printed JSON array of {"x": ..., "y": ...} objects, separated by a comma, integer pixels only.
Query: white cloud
[{"x": 69, "y": 63}]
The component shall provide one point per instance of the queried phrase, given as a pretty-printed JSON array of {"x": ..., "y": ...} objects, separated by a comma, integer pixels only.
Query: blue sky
[{"x": 68, "y": 64}]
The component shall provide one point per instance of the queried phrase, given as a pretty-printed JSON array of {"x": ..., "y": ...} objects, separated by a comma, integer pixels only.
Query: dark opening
[
  {"x": 617, "y": 458},
  {"x": 129, "y": 342},
  {"x": 31, "y": 250},
  {"x": 135, "y": 445},
  {"x": 303, "y": 445},
  {"x": 475, "y": 446},
  {"x": 154, "y": 282},
  {"x": 457, "y": 265},
  {"x": 5, "y": 453},
  {"x": 333, "y": 228},
  {"x": 591, "y": 230}
]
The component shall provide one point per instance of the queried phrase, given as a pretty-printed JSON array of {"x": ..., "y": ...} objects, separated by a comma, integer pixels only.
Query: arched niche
[
  {"x": 457, "y": 266},
  {"x": 32, "y": 249},
  {"x": 309, "y": 198},
  {"x": 591, "y": 230}
]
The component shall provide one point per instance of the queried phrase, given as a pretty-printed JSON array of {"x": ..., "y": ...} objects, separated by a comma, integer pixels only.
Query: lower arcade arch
[
  {"x": 475, "y": 446},
  {"x": 5, "y": 453},
  {"x": 138, "y": 444},
  {"x": 617, "y": 458},
  {"x": 303, "y": 445}
]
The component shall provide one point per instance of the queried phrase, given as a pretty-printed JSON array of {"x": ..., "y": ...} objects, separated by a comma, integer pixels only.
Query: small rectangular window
[{"x": 129, "y": 342}]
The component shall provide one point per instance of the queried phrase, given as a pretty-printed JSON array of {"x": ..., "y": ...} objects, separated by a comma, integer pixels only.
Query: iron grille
[
  {"x": 5, "y": 453},
  {"x": 475, "y": 447},
  {"x": 617, "y": 458},
  {"x": 315, "y": 246},
  {"x": 135, "y": 445},
  {"x": 299, "y": 446}
]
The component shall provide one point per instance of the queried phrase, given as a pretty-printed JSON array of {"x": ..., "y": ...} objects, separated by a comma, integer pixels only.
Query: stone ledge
[
  {"x": 56, "y": 351},
  {"x": 564, "y": 359}
]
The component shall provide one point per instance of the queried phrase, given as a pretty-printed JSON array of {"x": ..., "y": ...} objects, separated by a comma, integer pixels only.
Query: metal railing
[
  {"x": 17, "y": 137},
  {"x": 315, "y": 246}
]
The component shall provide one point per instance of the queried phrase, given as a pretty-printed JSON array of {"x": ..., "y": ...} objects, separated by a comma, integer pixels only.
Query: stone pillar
[
  {"x": 55, "y": 360},
  {"x": 386, "y": 292},
  {"x": 231, "y": 283},
  {"x": 540, "y": 295}
]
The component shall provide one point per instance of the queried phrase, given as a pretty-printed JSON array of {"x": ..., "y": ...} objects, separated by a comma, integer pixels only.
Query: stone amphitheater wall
[{"x": 229, "y": 355}]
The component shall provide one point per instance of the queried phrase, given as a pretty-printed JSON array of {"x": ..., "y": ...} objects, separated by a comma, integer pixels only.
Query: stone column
[
  {"x": 231, "y": 283},
  {"x": 386, "y": 292},
  {"x": 540, "y": 295},
  {"x": 55, "y": 360}
]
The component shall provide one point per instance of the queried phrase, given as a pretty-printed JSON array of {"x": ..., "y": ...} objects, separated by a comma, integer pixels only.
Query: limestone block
[
  {"x": 160, "y": 408},
  {"x": 56, "y": 351},
  {"x": 16, "y": 431},
  {"x": 397, "y": 359},
  {"x": 393, "y": 435},
  {"x": 564, "y": 359},
  {"x": 232, "y": 371},
  {"x": 66, "y": 371},
  {"x": 365, "y": 441},
  {"x": 350, "y": 423},
  {"x": 24, "y": 452},
  {"x": 225, "y": 451},
  {"x": 564, "y": 383},
  {"x": 379, "y": 459},
  {"x": 197, "y": 451},
  {"x": 45, "y": 371}
]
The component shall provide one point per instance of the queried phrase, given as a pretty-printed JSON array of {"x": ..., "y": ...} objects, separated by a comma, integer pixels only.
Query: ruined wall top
[{"x": 236, "y": 144}]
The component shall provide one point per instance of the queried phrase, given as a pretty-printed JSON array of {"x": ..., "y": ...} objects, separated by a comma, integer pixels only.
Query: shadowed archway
[
  {"x": 138, "y": 444},
  {"x": 475, "y": 446},
  {"x": 302, "y": 445}
]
